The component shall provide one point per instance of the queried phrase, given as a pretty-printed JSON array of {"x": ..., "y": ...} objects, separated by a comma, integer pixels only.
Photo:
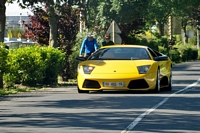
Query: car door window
[
  {"x": 152, "y": 52},
  {"x": 157, "y": 53}
]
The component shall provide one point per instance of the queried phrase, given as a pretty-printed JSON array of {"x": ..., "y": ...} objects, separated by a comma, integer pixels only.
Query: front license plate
[{"x": 114, "y": 84}]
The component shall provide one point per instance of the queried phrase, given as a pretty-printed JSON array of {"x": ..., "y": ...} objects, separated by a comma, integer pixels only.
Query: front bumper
[{"x": 139, "y": 82}]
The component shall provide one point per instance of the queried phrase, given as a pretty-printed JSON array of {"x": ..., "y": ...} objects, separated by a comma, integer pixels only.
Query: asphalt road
[{"x": 63, "y": 110}]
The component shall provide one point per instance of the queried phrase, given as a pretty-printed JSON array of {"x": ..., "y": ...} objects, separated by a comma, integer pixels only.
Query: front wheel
[
  {"x": 157, "y": 88},
  {"x": 169, "y": 88}
]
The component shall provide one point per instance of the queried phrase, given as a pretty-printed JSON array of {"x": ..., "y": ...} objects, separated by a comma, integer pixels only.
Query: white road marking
[{"x": 139, "y": 118}]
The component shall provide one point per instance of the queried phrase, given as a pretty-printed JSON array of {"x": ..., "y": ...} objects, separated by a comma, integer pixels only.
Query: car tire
[
  {"x": 82, "y": 91},
  {"x": 169, "y": 88},
  {"x": 157, "y": 88}
]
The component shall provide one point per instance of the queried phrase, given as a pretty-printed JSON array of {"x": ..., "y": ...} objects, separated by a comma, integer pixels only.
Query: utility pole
[
  {"x": 197, "y": 17},
  {"x": 170, "y": 27},
  {"x": 81, "y": 22},
  {"x": 170, "y": 42},
  {"x": 198, "y": 27},
  {"x": 197, "y": 39},
  {"x": 81, "y": 17}
]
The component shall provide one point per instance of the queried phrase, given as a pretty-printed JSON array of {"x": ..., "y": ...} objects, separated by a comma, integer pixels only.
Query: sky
[{"x": 15, "y": 10}]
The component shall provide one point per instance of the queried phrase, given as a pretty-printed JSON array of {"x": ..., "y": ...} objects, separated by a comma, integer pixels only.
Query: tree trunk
[
  {"x": 183, "y": 26},
  {"x": 185, "y": 35},
  {"x": 2, "y": 19},
  {"x": 161, "y": 29},
  {"x": 2, "y": 30},
  {"x": 1, "y": 81},
  {"x": 52, "y": 24}
]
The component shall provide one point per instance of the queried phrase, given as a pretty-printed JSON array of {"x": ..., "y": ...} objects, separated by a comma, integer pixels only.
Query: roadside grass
[
  {"x": 20, "y": 88},
  {"x": 70, "y": 82},
  {"x": 15, "y": 90}
]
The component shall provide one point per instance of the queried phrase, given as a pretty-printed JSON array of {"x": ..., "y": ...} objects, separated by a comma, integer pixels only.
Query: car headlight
[
  {"x": 143, "y": 69},
  {"x": 88, "y": 69}
]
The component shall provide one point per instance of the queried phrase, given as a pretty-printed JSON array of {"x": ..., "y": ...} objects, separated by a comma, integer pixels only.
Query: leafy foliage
[
  {"x": 53, "y": 10},
  {"x": 34, "y": 65},
  {"x": 127, "y": 14},
  {"x": 3, "y": 57},
  {"x": 3, "y": 64},
  {"x": 38, "y": 28}
]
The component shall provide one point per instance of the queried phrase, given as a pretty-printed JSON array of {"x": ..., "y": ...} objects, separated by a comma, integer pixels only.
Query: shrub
[
  {"x": 34, "y": 65},
  {"x": 3, "y": 64},
  {"x": 194, "y": 54},
  {"x": 163, "y": 50},
  {"x": 188, "y": 52},
  {"x": 198, "y": 55},
  {"x": 54, "y": 60},
  {"x": 73, "y": 64},
  {"x": 27, "y": 64},
  {"x": 3, "y": 57},
  {"x": 175, "y": 56}
]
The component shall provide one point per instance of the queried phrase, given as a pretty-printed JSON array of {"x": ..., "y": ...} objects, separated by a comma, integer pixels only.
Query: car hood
[{"x": 116, "y": 66}]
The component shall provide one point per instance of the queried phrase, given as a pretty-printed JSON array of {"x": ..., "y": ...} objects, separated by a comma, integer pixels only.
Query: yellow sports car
[{"x": 124, "y": 67}]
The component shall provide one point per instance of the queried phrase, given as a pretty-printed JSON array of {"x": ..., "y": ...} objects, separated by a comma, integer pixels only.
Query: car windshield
[{"x": 120, "y": 53}]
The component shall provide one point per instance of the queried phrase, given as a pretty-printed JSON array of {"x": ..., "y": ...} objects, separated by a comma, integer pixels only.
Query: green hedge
[
  {"x": 3, "y": 64},
  {"x": 188, "y": 53},
  {"x": 175, "y": 56},
  {"x": 3, "y": 57},
  {"x": 34, "y": 65}
]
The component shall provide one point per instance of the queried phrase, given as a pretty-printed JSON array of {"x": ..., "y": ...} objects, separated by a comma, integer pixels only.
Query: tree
[
  {"x": 2, "y": 29},
  {"x": 38, "y": 30},
  {"x": 2, "y": 19},
  {"x": 53, "y": 8},
  {"x": 50, "y": 5},
  {"x": 187, "y": 11},
  {"x": 129, "y": 15},
  {"x": 158, "y": 12},
  {"x": 3, "y": 64}
]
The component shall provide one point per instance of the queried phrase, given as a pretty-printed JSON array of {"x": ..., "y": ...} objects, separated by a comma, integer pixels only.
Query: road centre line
[{"x": 140, "y": 117}]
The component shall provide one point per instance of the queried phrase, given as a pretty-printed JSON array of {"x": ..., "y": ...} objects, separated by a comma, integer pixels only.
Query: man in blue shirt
[{"x": 89, "y": 45}]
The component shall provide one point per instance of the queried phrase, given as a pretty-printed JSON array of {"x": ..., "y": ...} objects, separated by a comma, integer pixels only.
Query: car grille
[
  {"x": 138, "y": 84},
  {"x": 91, "y": 84}
]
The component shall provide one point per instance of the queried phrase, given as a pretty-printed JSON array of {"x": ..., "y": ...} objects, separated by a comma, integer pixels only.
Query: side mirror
[
  {"x": 80, "y": 58},
  {"x": 161, "y": 58}
]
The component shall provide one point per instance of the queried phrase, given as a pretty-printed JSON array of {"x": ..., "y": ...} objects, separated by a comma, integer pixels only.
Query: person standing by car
[
  {"x": 89, "y": 45},
  {"x": 107, "y": 41}
]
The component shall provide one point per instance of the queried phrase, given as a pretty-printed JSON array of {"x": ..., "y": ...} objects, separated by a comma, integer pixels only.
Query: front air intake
[
  {"x": 91, "y": 84},
  {"x": 138, "y": 84}
]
